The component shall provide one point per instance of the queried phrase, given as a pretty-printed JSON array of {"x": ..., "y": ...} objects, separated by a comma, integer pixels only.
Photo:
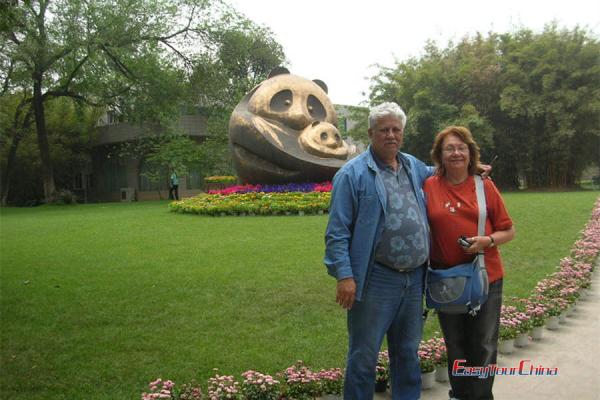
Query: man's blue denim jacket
[{"x": 357, "y": 215}]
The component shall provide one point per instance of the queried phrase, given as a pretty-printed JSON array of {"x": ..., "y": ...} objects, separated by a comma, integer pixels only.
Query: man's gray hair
[{"x": 385, "y": 109}]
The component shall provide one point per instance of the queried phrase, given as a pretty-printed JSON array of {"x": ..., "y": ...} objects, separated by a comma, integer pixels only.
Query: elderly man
[{"x": 377, "y": 247}]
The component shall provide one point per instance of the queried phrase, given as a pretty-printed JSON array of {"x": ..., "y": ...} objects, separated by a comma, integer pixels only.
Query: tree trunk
[
  {"x": 42, "y": 138},
  {"x": 10, "y": 161}
]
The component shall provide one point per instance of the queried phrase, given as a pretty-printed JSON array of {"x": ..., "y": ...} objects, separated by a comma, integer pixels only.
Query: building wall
[
  {"x": 118, "y": 132},
  {"x": 344, "y": 113}
]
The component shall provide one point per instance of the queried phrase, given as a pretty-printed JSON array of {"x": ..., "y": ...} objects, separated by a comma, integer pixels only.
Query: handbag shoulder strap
[{"x": 481, "y": 204}]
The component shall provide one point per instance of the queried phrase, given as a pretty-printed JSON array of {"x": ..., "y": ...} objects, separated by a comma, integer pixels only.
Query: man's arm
[{"x": 338, "y": 236}]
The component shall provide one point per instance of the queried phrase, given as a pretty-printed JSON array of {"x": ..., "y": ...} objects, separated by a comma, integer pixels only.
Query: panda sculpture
[{"x": 285, "y": 130}]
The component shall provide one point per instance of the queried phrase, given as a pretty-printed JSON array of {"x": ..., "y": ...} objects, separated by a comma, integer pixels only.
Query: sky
[{"x": 341, "y": 42}]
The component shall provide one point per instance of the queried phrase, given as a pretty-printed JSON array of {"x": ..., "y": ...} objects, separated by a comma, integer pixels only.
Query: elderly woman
[{"x": 452, "y": 211}]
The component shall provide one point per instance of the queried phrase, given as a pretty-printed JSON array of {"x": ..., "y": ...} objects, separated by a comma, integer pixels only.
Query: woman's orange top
[{"x": 452, "y": 211}]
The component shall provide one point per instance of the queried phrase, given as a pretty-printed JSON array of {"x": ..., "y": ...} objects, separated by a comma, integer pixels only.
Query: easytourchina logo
[{"x": 525, "y": 368}]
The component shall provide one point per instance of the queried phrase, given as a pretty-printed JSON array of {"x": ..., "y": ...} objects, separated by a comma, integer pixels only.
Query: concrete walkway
[{"x": 574, "y": 349}]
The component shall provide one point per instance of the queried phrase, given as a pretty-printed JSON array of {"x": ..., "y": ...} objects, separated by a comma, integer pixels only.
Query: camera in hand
[{"x": 464, "y": 242}]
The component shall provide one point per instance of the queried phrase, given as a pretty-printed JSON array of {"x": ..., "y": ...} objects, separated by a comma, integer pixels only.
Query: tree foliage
[
  {"x": 134, "y": 57},
  {"x": 532, "y": 98}
]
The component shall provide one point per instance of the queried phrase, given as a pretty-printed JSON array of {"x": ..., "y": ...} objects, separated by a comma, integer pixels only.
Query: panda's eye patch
[
  {"x": 282, "y": 100},
  {"x": 315, "y": 108}
]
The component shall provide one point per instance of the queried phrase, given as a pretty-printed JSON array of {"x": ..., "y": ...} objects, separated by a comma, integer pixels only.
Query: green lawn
[{"x": 97, "y": 300}]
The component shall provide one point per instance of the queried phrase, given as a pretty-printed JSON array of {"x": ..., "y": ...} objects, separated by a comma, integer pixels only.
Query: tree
[
  {"x": 69, "y": 125},
  {"x": 102, "y": 53},
  {"x": 533, "y": 99},
  {"x": 15, "y": 122},
  {"x": 168, "y": 154},
  {"x": 242, "y": 56},
  {"x": 360, "y": 116},
  {"x": 551, "y": 93}
]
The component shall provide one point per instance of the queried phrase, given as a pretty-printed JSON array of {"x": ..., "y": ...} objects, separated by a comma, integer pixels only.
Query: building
[{"x": 111, "y": 178}]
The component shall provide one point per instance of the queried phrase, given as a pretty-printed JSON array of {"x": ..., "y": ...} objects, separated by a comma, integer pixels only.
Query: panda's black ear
[
  {"x": 321, "y": 84},
  {"x": 278, "y": 71}
]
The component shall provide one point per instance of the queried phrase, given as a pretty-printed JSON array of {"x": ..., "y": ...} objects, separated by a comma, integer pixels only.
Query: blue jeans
[
  {"x": 474, "y": 339},
  {"x": 392, "y": 304}
]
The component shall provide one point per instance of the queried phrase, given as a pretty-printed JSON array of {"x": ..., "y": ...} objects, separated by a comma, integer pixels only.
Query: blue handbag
[{"x": 463, "y": 288}]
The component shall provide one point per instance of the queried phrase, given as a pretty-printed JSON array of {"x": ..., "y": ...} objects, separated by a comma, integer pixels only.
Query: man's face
[{"x": 386, "y": 137}]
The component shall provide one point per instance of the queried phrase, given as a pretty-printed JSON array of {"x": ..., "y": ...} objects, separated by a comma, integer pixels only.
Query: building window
[
  {"x": 78, "y": 182},
  {"x": 113, "y": 175},
  {"x": 89, "y": 181}
]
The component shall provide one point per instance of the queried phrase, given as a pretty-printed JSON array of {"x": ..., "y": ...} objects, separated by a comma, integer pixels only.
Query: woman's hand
[{"x": 478, "y": 243}]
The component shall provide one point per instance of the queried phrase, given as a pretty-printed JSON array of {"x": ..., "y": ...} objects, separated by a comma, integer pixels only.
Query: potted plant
[
  {"x": 440, "y": 358},
  {"x": 332, "y": 383},
  {"x": 382, "y": 374},
  {"x": 257, "y": 386},
  {"x": 524, "y": 326},
  {"x": 508, "y": 329},
  {"x": 190, "y": 391},
  {"x": 536, "y": 309},
  {"x": 223, "y": 387},
  {"x": 426, "y": 359},
  {"x": 160, "y": 389},
  {"x": 300, "y": 383},
  {"x": 554, "y": 307}
]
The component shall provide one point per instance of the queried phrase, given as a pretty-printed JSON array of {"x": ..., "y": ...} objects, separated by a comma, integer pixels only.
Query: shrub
[
  {"x": 63, "y": 196},
  {"x": 225, "y": 179}
]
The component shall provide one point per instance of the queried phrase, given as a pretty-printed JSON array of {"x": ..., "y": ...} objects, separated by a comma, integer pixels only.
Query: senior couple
[{"x": 390, "y": 217}]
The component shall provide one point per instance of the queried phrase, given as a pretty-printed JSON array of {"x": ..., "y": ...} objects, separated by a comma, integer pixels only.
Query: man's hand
[
  {"x": 346, "y": 289},
  {"x": 484, "y": 170}
]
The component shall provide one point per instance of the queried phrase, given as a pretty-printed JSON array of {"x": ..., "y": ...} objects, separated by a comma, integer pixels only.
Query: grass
[{"x": 97, "y": 300}]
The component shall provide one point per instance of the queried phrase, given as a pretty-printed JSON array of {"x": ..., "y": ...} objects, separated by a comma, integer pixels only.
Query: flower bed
[
  {"x": 254, "y": 203},
  {"x": 291, "y": 198},
  {"x": 297, "y": 382},
  {"x": 289, "y": 187}
]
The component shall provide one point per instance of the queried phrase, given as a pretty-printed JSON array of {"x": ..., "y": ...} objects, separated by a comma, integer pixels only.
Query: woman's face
[{"x": 455, "y": 154}]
